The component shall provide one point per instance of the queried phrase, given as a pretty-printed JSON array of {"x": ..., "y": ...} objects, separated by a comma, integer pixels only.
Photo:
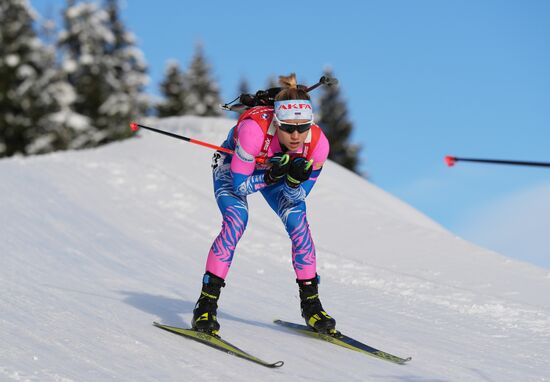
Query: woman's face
[{"x": 292, "y": 141}]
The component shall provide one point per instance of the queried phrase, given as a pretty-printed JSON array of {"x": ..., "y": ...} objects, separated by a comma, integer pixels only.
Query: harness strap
[{"x": 263, "y": 116}]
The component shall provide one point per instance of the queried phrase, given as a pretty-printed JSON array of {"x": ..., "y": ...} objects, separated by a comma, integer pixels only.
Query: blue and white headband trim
[{"x": 294, "y": 109}]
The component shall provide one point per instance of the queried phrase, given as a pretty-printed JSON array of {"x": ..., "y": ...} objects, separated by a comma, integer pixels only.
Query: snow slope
[{"x": 97, "y": 244}]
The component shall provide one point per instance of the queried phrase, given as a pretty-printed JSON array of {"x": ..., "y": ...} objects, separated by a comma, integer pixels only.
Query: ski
[
  {"x": 344, "y": 341},
  {"x": 218, "y": 343}
]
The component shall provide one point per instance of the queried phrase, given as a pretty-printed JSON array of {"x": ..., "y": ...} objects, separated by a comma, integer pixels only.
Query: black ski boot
[
  {"x": 312, "y": 310},
  {"x": 204, "y": 314}
]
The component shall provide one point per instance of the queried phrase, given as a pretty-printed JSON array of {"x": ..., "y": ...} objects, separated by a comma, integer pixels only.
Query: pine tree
[
  {"x": 60, "y": 127},
  {"x": 127, "y": 100},
  {"x": 83, "y": 44},
  {"x": 174, "y": 90},
  {"x": 332, "y": 117},
  {"x": 204, "y": 98},
  {"x": 35, "y": 112},
  {"x": 244, "y": 88},
  {"x": 106, "y": 69},
  {"x": 272, "y": 82}
]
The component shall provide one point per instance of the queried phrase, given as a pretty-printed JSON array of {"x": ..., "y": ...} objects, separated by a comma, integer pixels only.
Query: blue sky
[{"x": 422, "y": 79}]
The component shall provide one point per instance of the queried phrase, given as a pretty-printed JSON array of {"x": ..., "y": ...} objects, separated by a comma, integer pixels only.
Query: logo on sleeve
[{"x": 243, "y": 155}]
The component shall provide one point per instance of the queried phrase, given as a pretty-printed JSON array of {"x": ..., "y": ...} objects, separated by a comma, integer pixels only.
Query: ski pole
[
  {"x": 450, "y": 160},
  {"x": 135, "y": 127}
]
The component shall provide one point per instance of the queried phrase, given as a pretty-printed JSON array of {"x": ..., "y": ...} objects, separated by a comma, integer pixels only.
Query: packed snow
[{"x": 98, "y": 244}]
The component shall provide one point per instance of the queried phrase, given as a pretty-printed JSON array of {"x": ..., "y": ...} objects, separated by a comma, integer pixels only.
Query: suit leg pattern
[
  {"x": 294, "y": 218},
  {"x": 234, "y": 209}
]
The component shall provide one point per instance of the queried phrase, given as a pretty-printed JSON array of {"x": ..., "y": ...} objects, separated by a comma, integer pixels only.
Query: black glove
[
  {"x": 299, "y": 171},
  {"x": 280, "y": 163}
]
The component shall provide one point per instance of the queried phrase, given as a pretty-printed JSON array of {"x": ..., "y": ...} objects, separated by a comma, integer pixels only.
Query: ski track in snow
[
  {"x": 495, "y": 312},
  {"x": 97, "y": 244}
]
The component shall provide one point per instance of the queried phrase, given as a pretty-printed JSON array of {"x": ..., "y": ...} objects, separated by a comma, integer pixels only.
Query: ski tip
[
  {"x": 404, "y": 361},
  {"x": 277, "y": 364},
  {"x": 134, "y": 126}
]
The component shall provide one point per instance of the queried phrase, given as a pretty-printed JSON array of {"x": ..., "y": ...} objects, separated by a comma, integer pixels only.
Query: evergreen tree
[
  {"x": 105, "y": 68},
  {"x": 272, "y": 82},
  {"x": 244, "y": 88},
  {"x": 127, "y": 100},
  {"x": 204, "y": 98},
  {"x": 35, "y": 113},
  {"x": 83, "y": 44},
  {"x": 174, "y": 89},
  {"x": 60, "y": 127},
  {"x": 332, "y": 117}
]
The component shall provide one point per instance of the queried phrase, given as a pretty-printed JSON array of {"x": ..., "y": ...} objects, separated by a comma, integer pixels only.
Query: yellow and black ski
[
  {"x": 218, "y": 343},
  {"x": 344, "y": 341}
]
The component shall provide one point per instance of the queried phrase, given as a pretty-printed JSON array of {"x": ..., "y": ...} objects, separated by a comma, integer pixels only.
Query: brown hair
[{"x": 291, "y": 89}]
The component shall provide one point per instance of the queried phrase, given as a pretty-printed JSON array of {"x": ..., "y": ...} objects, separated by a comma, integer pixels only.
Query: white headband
[{"x": 294, "y": 109}]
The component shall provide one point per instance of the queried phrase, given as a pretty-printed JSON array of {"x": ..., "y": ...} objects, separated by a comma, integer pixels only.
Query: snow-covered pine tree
[
  {"x": 61, "y": 126},
  {"x": 83, "y": 43},
  {"x": 204, "y": 97},
  {"x": 105, "y": 68},
  {"x": 332, "y": 117},
  {"x": 174, "y": 91},
  {"x": 35, "y": 112},
  {"x": 127, "y": 100}
]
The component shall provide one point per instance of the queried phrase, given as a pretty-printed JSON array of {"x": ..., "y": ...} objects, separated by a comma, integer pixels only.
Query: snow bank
[{"x": 97, "y": 244}]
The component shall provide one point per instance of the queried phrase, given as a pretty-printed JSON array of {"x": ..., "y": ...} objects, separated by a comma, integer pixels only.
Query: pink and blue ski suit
[{"x": 238, "y": 175}]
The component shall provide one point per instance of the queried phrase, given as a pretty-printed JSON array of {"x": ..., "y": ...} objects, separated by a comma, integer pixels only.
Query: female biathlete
[{"x": 279, "y": 151}]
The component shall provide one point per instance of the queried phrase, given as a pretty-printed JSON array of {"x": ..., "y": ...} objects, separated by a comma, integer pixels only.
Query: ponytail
[{"x": 291, "y": 89}]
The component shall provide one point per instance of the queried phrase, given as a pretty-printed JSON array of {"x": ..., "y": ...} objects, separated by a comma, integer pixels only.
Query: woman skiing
[{"x": 279, "y": 151}]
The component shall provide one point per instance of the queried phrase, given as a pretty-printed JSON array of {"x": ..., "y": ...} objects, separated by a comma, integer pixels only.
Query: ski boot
[
  {"x": 312, "y": 310},
  {"x": 204, "y": 314}
]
